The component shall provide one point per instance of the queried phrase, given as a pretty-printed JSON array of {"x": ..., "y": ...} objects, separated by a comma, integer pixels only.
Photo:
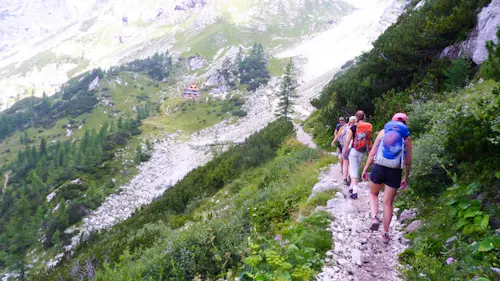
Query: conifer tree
[
  {"x": 491, "y": 68},
  {"x": 288, "y": 91},
  {"x": 56, "y": 239}
]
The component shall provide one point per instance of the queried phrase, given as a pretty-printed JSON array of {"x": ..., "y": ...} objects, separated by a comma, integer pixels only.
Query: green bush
[
  {"x": 456, "y": 242},
  {"x": 453, "y": 134},
  {"x": 296, "y": 254}
]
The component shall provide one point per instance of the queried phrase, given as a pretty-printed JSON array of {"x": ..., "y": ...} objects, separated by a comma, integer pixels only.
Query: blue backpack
[{"x": 391, "y": 150}]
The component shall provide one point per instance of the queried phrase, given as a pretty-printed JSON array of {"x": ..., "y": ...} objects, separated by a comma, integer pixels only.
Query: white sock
[{"x": 354, "y": 189}]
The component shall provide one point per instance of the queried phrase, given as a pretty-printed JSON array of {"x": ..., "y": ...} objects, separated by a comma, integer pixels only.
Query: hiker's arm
[
  {"x": 407, "y": 160},
  {"x": 348, "y": 139},
  {"x": 371, "y": 156}
]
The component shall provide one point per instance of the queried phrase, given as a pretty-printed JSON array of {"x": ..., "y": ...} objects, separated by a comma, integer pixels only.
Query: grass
[
  {"x": 190, "y": 116},
  {"x": 277, "y": 66},
  {"x": 320, "y": 199}
]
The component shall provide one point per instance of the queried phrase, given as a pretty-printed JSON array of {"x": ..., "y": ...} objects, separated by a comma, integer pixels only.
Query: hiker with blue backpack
[{"x": 392, "y": 151}]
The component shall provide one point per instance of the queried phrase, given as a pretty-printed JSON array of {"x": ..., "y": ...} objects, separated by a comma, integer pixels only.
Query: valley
[{"x": 110, "y": 163}]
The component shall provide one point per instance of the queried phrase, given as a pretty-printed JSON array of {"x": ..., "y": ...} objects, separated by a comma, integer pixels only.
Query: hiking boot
[
  {"x": 349, "y": 181},
  {"x": 375, "y": 224},
  {"x": 354, "y": 196},
  {"x": 386, "y": 238},
  {"x": 345, "y": 182},
  {"x": 350, "y": 190}
]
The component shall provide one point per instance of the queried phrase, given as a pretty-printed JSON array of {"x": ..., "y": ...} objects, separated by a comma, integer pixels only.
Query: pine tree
[
  {"x": 21, "y": 232},
  {"x": 43, "y": 147},
  {"x": 62, "y": 215},
  {"x": 458, "y": 74},
  {"x": 56, "y": 239},
  {"x": 491, "y": 68},
  {"x": 288, "y": 91}
]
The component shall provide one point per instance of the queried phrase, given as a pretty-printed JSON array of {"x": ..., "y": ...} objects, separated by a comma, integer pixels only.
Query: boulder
[
  {"x": 407, "y": 215},
  {"x": 414, "y": 226},
  {"x": 324, "y": 186},
  {"x": 339, "y": 195}
]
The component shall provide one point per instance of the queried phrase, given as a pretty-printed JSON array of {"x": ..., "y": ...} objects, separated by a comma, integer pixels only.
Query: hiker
[
  {"x": 336, "y": 132},
  {"x": 339, "y": 140},
  {"x": 342, "y": 137},
  {"x": 360, "y": 135},
  {"x": 392, "y": 150}
]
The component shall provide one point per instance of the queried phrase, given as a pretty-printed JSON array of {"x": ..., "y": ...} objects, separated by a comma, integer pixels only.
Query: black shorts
[{"x": 388, "y": 176}]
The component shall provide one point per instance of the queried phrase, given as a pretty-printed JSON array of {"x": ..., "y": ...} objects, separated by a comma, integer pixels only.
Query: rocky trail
[{"x": 358, "y": 253}]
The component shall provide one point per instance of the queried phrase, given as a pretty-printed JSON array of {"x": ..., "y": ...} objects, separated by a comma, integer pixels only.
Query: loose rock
[{"x": 414, "y": 226}]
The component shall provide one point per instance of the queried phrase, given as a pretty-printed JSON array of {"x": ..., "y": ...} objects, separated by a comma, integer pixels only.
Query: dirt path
[{"x": 358, "y": 253}]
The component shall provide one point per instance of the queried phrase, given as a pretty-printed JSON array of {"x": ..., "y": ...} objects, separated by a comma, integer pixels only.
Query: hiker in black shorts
[{"x": 391, "y": 151}]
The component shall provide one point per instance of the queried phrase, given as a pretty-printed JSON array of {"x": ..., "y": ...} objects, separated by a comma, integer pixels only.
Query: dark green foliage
[
  {"x": 157, "y": 67},
  {"x": 491, "y": 67},
  {"x": 288, "y": 91},
  {"x": 240, "y": 113},
  {"x": 253, "y": 68},
  {"x": 36, "y": 171},
  {"x": 458, "y": 74},
  {"x": 389, "y": 104},
  {"x": 402, "y": 55}
]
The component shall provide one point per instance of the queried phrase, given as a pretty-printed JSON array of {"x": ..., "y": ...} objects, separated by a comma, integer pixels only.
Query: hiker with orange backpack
[
  {"x": 360, "y": 135},
  {"x": 392, "y": 151}
]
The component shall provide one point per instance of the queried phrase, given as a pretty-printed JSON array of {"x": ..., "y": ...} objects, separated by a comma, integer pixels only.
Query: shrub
[{"x": 240, "y": 113}]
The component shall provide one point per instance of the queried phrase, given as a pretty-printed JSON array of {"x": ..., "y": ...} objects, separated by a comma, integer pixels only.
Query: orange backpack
[{"x": 362, "y": 139}]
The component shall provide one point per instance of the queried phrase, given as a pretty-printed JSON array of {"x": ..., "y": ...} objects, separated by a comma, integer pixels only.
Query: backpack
[
  {"x": 342, "y": 134},
  {"x": 362, "y": 139},
  {"x": 391, "y": 150}
]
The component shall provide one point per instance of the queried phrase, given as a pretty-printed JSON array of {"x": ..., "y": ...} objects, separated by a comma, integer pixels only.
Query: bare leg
[
  {"x": 374, "y": 191},
  {"x": 346, "y": 169},
  {"x": 341, "y": 160},
  {"x": 389, "y": 194}
]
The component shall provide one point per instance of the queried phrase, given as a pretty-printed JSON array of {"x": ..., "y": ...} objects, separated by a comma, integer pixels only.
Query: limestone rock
[
  {"x": 94, "y": 84},
  {"x": 342, "y": 262},
  {"x": 407, "y": 215},
  {"x": 357, "y": 257},
  {"x": 323, "y": 186},
  {"x": 339, "y": 195},
  {"x": 414, "y": 226},
  {"x": 196, "y": 62},
  {"x": 475, "y": 44}
]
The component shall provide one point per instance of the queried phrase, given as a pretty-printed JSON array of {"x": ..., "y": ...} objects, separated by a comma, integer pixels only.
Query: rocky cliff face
[
  {"x": 475, "y": 45},
  {"x": 34, "y": 19}
]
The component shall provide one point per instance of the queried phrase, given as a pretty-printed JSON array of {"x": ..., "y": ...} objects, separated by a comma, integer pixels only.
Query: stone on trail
[
  {"x": 407, "y": 215},
  {"x": 357, "y": 257},
  {"x": 339, "y": 195},
  {"x": 342, "y": 262},
  {"x": 414, "y": 226},
  {"x": 322, "y": 186}
]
